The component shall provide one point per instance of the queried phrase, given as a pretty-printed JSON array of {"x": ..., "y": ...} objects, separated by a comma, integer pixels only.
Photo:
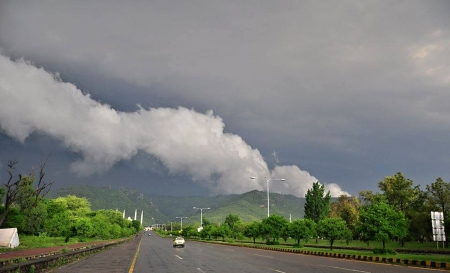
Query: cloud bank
[{"x": 185, "y": 141}]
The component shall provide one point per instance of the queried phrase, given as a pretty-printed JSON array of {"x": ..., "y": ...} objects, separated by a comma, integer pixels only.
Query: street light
[
  {"x": 181, "y": 218},
  {"x": 268, "y": 179},
  {"x": 201, "y": 215}
]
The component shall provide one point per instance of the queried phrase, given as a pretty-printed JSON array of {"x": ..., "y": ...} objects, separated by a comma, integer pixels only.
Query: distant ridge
[{"x": 249, "y": 206}]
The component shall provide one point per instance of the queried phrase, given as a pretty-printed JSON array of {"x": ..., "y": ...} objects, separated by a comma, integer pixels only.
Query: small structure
[{"x": 9, "y": 237}]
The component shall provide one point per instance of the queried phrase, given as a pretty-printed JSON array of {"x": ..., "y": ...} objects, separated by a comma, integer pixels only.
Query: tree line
[
  {"x": 26, "y": 208},
  {"x": 400, "y": 211}
]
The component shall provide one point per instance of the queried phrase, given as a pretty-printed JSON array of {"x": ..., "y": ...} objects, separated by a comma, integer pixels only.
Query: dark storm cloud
[{"x": 349, "y": 91}]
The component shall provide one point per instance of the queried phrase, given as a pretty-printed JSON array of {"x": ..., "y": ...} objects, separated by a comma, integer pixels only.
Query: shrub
[
  {"x": 297, "y": 246},
  {"x": 384, "y": 251},
  {"x": 272, "y": 243}
]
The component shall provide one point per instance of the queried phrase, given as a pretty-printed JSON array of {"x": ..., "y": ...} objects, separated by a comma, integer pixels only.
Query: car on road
[{"x": 178, "y": 241}]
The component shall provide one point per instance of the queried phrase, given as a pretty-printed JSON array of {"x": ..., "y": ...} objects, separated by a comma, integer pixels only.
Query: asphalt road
[{"x": 157, "y": 255}]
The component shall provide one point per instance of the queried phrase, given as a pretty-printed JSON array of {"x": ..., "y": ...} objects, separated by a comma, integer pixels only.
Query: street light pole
[
  {"x": 201, "y": 215},
  {"x": 268, "y": 179},
  {"x": 181, "y": 218}
]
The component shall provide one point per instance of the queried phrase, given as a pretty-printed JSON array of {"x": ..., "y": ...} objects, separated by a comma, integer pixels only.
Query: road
[{"x": 156, "y": 255}]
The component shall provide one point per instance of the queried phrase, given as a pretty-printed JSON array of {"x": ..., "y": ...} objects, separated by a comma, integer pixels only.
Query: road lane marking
[
  {"x": 276, "y": 270},
  {"x": 135, "y": 258},
  {"x": 263, "y": 256},
  {"x": 348, "y": 269},
  {"x": 178, "y": 257},
  {"x": 201, "y": 270}
]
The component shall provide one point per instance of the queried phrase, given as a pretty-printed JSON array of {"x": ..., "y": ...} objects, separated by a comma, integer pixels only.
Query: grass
[
  {"x": 373, "y": 244},
  {"x": 30, "y": 242}
]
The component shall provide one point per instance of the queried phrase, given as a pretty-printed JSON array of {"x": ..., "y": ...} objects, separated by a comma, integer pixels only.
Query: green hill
[{"x": 249, "y": 206}]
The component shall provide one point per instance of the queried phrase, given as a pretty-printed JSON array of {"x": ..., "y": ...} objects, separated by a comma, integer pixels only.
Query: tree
[
  {"x": 439, "y": 195},
  {"x": 232, "y": 221},
  {"x": 317, "y": 204},
  {"x": 380, "y": 221},
  {"x": 400, "y": 194},
  {"x": 222, "y": 231},
  {"x": 76, "y": 206},
  {"x": 333, "y": 229},
  {"x": 346, "y": 208},
  {"x": 253, "y": 231},
  {"x": 272, "y": 226},
  {"x": 399, "y": 191},
  {"x": 14, "y": 186},
  {"x": 439, "y": 198},
  {"x": 302, "y": 229}
]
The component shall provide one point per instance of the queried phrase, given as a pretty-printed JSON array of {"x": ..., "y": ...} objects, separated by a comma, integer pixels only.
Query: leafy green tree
[
  {"x": 233, "y": 222},
  {"x": 401, "y": 194},
  {"x": 346, "y": 208},
  {"x": 253, "y": 231},
  {"x": 285, "y": 234},
  {"x": 333, "y": 229},
  {"x": 83, "y": 228},
  {"x": 272, "y": 226},
  {"x": 439, "y": 195},
  {"x": 34, "y": 212},
  {"x": 302, "y": 229},
  {"x": 439, "y": 199},
  {"x": 18, "y": 188},
  {"x": 399, "y": 191},
  {"x": 187, "y": 231},
  {"x": 76, "y": 206},
  {"x": 15, "y": 219},
  {"x": 58, "y": 224},
  {"x": 317, "y": 204},
  {"x": 380, "y": 221},
  {"x": 222, "y": 231}
]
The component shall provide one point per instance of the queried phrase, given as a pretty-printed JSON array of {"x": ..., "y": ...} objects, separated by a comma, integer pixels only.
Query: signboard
[{"x": 437, "y": 222}]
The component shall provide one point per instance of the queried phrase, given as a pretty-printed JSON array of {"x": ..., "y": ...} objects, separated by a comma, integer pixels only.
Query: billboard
[{"x": 437, "y": 222}]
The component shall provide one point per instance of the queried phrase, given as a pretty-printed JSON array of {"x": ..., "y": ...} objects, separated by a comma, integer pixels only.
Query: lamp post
[
  {"x": 268, "y": 179},
  {"x": 181, "y": 218},
  {"x": 201, "y": 215}
]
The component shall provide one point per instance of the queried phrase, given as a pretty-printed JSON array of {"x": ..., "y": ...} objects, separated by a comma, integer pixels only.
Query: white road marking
[
  {"x": 263, "y": 256},
  {"x": 178, "y": 257},
  {"x": 348, "y": 269},
  {"x": 276, "y": 270},
  {"x": 201, "y": 270}
]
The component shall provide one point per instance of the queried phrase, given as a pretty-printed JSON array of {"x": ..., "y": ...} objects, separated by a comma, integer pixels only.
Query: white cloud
[
  {"x": 298, "y": 182},
  {"x": 185, "y": 141}
]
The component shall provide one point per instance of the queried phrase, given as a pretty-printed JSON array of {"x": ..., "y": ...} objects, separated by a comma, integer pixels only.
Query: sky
[{"x": 195, "y": 97}]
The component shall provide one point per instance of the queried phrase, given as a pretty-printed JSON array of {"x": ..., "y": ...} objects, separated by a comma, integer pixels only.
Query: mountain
[{"x": 249, "y": 206}]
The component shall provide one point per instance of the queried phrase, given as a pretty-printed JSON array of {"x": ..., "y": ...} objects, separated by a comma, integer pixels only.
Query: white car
[{"x": 179, "y": 241}]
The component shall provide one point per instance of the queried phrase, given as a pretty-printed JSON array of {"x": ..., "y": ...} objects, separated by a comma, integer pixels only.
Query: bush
[
  {"x": 272, "y": 243},
  {"x": 297, "y": 246},
  {"x": 383, "y": 251}
]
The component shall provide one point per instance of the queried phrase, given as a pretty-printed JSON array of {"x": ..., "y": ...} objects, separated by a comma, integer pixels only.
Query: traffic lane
[
  {"x": 201, "y": 257},
  {"x": 291, "y": 262},
  {"x": 114, "y": 260},
  {"x": 158, "y": 255}
]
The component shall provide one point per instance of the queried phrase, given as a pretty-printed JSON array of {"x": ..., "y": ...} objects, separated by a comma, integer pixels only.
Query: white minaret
[
  {"x": 135, "y": 214},
  {"x": 142, "y": 216},
  {"x": 123, "y": 215}
]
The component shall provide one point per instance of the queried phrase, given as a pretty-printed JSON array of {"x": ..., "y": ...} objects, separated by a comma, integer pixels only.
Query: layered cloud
[{"x": 185, "y": 141}]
